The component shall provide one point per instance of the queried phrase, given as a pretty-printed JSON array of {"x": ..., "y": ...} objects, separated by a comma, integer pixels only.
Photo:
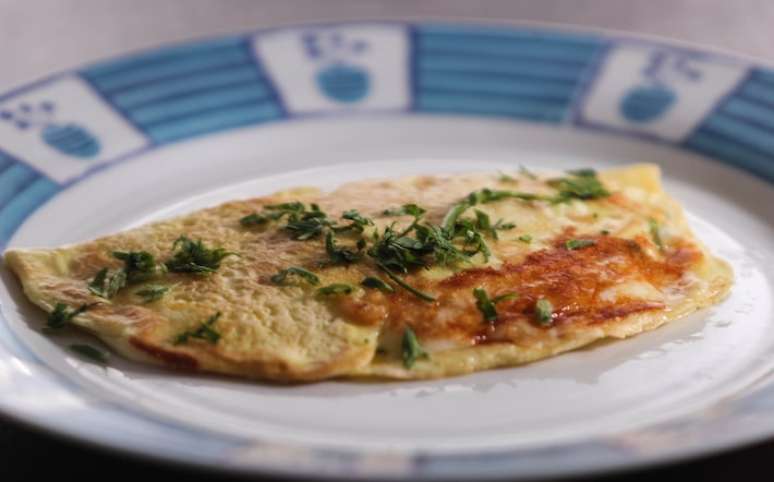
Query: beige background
[{"x": 38, "y": 37}]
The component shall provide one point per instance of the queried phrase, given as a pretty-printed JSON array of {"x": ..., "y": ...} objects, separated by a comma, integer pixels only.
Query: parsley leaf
[
  {"x": 339, "y": 255},
  {"x": 581, "y": 184},
  {"x": 204, "y": 332},
  {"x": 335, "y": 289},
  {"x": 62, "y": 315},
  {"x": 303, "y": 222},
  {"x": 152, "y": 293},
  {"x": 106, "y": 286},
  {"x": 358, "y": 224},
  {"x": 573, "y": 244},
  {"x": 309, "y": 225},
  {"x": 487, "y": 306},
  {"x": 138, "y": 265},
  {"x": 254, "y": 219},
  {"x": 281, "y": 276},
  {"x": 544, "y": 311},
  {"x": 411, "y": 349},
  {"x": 525, "y": 238},
  {"x": 406, "y": 210},
  {"x": 376, "y": 283},
  {"x": 406, "y": 286},
  {"x": 194, "y": 257}
]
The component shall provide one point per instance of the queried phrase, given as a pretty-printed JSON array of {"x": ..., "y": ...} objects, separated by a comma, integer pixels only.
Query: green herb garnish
[
  {"x": 411, "y": 349},
  {"x": 88, "y": 351},
  {"x": 335, "y": 289},
  {"x": 584, "y": 172},
  {"x": 308, "y": 225},
  {"x": 573, "y": 244},
  {"x": 139, "y": 265},
  {"x": 106, "y": 286},
  {"x": 406, "y": 286},
  {"x": 62, "y": 315},
  {"x": 376, "y": 283},
  {"x": 152, "y": 293},
  {"x": 339, "y": 255},
  {"x": 358, "y": 222},
  {"x": 484, "y": 224},
  {"x": 484, "y": 196},
  {"x": 194, "y": 257},
  {"x": 253, "y": 219},
  {"x": 281, "y": 276},
  {"x": 487, "y": 306},
  {"x": 525, "y": 238},
  {"x": 581, "y": 184},
  {"x": 303, "y": 222},
  {"x": 544, "y": 311},
  {"x": 655, "y": 233},
  {"x": 405, "y": 210},
  {"x": 205, "y": 331}
]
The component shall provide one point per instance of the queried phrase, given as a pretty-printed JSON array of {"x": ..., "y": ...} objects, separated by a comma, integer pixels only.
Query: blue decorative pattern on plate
[{"x": 322, "y": 104}]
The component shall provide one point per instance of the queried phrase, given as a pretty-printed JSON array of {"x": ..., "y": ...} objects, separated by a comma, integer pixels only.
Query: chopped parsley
[
  {"x": 62, "y": 315},
  {"x": 525, "y": 238},
  {"x": 405, "y": 210},
  {"x": 484, "y": 196},
  {"x": 340, "y": 255},
  {"x": 581, "y": 184},
  {"x": 655, "y": 233},
  {"x": 88, "y": 351},
  {"x": 573, "y": 244},
  {"x": 308, "y": 276},
  {"x": 484, "y": 224},
  {"x": 205, "y": 331},
  {"x": 406, "y": 286},
  {"x": 335, "y": 289},
  {"x": 152, "y": 293},
  {"x": 544, "y": 311},
  {"x": 273, "y": 212},
  {"x": 304, "y": 222},
  {"x": 194, "y": 257},
  {"x": 376, "y": 283},
  {"x": 487, "y": 306},
  {"x": 358, "y": 222},
  {"x": 411, "y": 349},
  {"x": 106, "y": 285},
  {"x": 584, "y": 172},
  {"x": 253, "y": 219},
  {"x": 139, "y": 265}
]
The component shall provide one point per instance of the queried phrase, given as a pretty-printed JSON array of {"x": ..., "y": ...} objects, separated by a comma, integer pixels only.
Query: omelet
[{"x": 418, "y": 277}]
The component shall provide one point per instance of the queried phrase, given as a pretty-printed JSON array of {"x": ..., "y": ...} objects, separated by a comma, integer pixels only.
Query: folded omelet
[{"x": 419, "y": 277}]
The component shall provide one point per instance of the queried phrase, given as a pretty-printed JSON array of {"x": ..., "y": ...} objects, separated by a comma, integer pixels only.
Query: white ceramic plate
[{"x": 159, "y": 133}]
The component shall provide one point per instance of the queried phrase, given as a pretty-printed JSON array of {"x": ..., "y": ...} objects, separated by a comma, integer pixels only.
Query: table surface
[{"x": 38, "y": 37}]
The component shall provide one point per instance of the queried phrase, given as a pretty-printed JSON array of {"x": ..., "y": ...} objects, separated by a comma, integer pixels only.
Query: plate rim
[{"x": 549, "y": 28}]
